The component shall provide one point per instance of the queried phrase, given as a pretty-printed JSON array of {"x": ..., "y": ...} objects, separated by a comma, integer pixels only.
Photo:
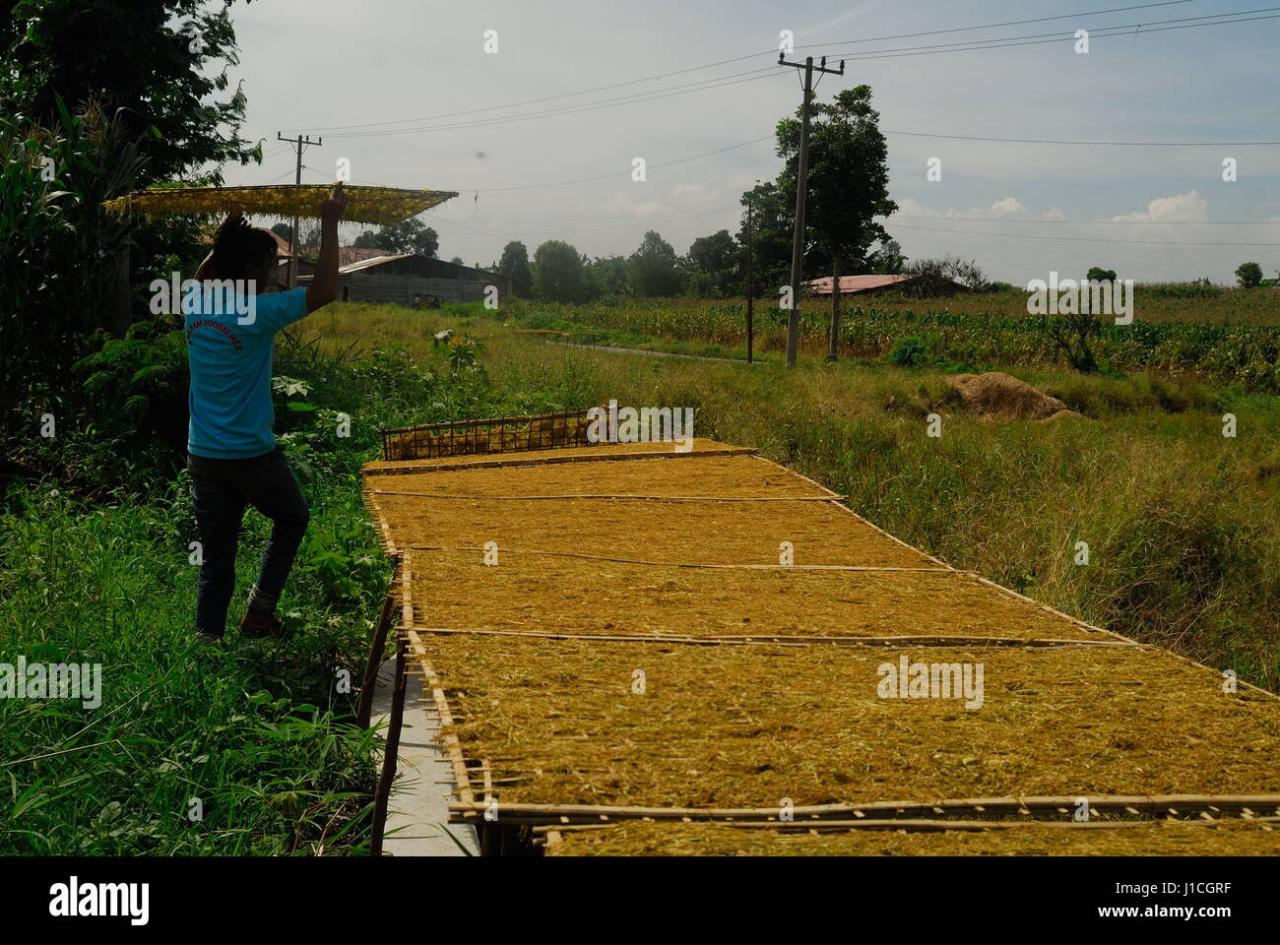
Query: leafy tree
[
  {"x": 848, "y": 184},
  {"x": 409, "y": 236},
  {"x": 888, "y": 259},
  {"x": 1098, "y": 274},
  {"x": 770, "y": 238},
  {"x": 653, "y": 267},
  {"x": 608, "y": 277},
  {"x": 558, "y": 275},
  {"x": 514, "y": 264},
  {"x": 162, "y": 64},
  {"x": 160, "y": 68},
  {"x": 1249, "y": 275},
  {"x": 63, "y": 261},
  {"x": 715, "y": 257}
]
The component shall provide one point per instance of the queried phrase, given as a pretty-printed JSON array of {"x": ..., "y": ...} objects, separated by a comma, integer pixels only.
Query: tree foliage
[
  {"x": 558, "y": 275},
  {"x": 653, "y": 267},
  {"x": 514, "y": 264},
  {"x": 943, "y": 277},
  {"x": 63, "y": 262},
  {"x": 848, "y": 178},
  {"x": 713, "y": 264},
  {"x": 411, "y": 236},
  {"x": 1249, "y": 275},
  {"x": 163, "y": 64},
  {"x": 771, "y": 214}
]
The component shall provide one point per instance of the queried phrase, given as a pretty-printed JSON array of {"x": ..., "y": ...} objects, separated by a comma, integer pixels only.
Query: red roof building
[{"x": 852, "y": 285}]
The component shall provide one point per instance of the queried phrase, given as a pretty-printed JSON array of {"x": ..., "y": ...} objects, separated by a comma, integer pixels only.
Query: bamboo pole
[
  {"x": 1149, "y": 805},
  {"x": 783, "y": 640},
  {"x": 694, "y": 564},
  {"x": 472, "y": 497},
  {"x": 479, "y": 461},
  {"x": 390, "y": 754},
  {"x": 369, "y": 684},
  {"x": 912, "y": 825}
]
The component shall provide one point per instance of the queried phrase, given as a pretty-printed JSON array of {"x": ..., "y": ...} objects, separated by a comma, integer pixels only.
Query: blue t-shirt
[{"x": 229, "y": 343}]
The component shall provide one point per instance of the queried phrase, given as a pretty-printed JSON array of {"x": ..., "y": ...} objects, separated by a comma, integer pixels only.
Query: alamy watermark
[
  {"x": 238, "y": 297},
  {"x": 1113, "y": 297},
  {"x": 907, "y": 680},
  {"x": 23, "y": 680},
  {"x": 646, "y": 425},
  {"x": 75, "y": 899}
]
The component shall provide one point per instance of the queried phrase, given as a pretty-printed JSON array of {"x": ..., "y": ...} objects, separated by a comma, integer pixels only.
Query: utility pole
[
  {"x": 750, "y": 314},
  {"x": 299, "y": 144},
  {"x": 802, "y": 187}
]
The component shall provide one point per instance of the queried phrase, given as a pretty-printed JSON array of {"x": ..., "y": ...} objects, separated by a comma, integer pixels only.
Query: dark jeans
[{"x": 222, "y": 488}]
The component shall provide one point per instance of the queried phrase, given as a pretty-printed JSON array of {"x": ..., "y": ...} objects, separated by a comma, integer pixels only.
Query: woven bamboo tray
[
  {"x": 1161, "y": 838},
  {"x": 557, "y": 723}
]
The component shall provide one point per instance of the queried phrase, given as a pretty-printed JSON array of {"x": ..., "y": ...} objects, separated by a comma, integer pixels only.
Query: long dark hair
[{"x": 237, "y": 246}]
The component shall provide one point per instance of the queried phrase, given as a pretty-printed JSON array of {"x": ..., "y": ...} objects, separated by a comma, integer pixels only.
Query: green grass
[
  {"x": 253, "y": 733},
  {"x": 259, "y": 737},
  {"x": 1182, "y": 524}
]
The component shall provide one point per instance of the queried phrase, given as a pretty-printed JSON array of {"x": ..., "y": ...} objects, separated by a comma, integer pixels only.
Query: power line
[
  {"x": 612, "y": 174},
  {"x": 1097, "y": 144},
  {"x": 1220, "y": 19},
  {"x": 1075, "y": 239},
  {"x": 1099, "y": 222},
  {"x": 735, "y": 59},
  {"x": 966, "y": 29},
  {"x": 704, "y": 85},
  {"x": 766, "y": 73}
]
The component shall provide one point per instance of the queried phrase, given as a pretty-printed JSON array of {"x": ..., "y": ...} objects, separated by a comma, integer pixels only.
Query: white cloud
[
  {"x": 620, "y": 205},
  {"x": 1008, "y": 205},
  {"x": 1180, "y": 208}
]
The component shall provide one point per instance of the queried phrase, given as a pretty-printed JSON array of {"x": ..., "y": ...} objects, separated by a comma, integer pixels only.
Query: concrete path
[{"x": 417, "y": 822}]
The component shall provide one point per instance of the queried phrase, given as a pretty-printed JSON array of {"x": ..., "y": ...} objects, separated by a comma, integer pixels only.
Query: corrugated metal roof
[
  {"x": 850, "y": 285},
  {"x": 373, "y": 261},
  {"x": 353, "y": 254}
]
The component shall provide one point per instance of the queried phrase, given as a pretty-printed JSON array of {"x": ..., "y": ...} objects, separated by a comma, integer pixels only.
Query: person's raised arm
[{"x": 324, "y": 284}]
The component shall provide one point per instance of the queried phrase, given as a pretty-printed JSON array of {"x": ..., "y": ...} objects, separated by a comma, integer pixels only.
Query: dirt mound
[{"x": 998, "y": 396}]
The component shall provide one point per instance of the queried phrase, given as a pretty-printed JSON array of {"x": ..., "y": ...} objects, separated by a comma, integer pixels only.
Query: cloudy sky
[{"x": 577, "y": 89}]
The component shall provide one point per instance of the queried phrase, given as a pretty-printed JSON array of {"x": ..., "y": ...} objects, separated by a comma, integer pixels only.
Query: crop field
[
  {"x": 1181, "y": 522},
  {"x": 1229, "y": 336}
]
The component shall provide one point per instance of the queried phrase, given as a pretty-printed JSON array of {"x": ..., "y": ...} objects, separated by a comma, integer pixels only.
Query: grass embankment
[
  {"x": 247, "y": 748},
  {"x": 1181, "y": 523}
]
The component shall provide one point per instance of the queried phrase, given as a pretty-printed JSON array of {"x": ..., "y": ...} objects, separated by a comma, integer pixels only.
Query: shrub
[{"x": 908, "y": 351}]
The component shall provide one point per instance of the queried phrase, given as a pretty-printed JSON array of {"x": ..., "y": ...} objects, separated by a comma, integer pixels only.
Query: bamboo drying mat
[
  {"x": 614, "y": 559},
  {"x": 1160, "y": 838},
  {"x": 556, "y": 722}
]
